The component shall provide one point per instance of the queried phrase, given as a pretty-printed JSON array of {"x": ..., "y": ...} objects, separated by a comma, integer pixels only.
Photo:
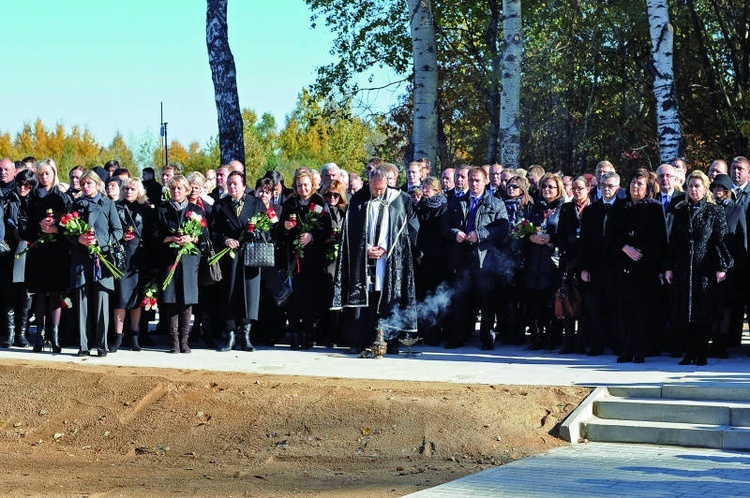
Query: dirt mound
[{"x": 73, "y": 430}]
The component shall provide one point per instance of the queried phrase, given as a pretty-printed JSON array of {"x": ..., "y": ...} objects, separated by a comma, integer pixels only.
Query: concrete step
[
  {"x": 724, "y": 391},
  {"x": 667, "y": 433},
  {"x": 674, "y": 410}
]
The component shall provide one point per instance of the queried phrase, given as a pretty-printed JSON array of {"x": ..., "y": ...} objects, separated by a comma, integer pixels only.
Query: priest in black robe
[{"x": 375, "y": 275}]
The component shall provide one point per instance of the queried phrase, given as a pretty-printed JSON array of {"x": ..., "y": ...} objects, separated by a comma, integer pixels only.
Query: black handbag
[
  {"x": 117, "y": 253},
  {"x": 259, "y": 254},
  {"x": 209, "y": 274}
]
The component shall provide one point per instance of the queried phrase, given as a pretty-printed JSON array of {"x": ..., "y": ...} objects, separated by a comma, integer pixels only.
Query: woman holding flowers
[
  {"x": 48, "y": 259},
  {"x": 274, "y": 290},
  {"x": 540, "y": 276},
  {"x": 239, "y": 219},
  {"x": 179, "y": 230},
  {"x": 306, "y": 227},
  {"x": 89, "y": 227},
  {"x": 136, "y": 216}
]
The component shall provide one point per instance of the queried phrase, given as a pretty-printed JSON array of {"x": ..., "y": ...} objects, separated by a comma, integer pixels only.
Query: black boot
[
  {"x": 55, "y": 340},
  {"x": 245, "y": 329},
  {"x": 39, "y": 343},
  {"x": 229, "y": 345},
  {"x": 116, "y": 343},
  {"x": 21, "y": 324},
  {"x": 134, "y": 345},
  {"x": 9, "y": 330}
]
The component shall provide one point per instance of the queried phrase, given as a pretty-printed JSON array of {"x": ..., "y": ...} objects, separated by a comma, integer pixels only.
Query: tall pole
[{"x": 163, "y": 133}]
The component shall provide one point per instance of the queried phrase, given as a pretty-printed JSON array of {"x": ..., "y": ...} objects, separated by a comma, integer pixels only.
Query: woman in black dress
[
  {"x": 91, "y": 281},
  {"x": 136, "y": 216},
  {"x": 240, "y": 284},
  {"x": 306, "y": 227},
  {"x": 48, "y": 262},
  {"x": 697, "y": 261},
  {"x": 179, "y": 296}
]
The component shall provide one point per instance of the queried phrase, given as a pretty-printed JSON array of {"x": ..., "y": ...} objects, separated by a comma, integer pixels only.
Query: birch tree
[
  {"x": 424, "y": 116},
  {"x": 224, "y": 75},
  {"x": 667, "y": 116},
  {"x": 510, "y": 98}
]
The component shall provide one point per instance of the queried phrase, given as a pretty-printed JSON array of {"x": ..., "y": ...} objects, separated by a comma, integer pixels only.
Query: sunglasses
[
  {"x": 513, "y": 187},
  {"x": 332, "y": 195}
]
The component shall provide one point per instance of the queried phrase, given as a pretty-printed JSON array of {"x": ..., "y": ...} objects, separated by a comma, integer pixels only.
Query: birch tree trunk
[
  {"x": 510, "y": 99},
  {"x": 224, "y": 75},
  {"x": 495, "y": 52},
  {"x": 424, "y": 117},
  {"x": 667, "y": 116}
]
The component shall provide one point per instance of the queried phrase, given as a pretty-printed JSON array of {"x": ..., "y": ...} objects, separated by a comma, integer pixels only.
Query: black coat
[
  {"x": 184, "y": 286},
  {"x": 643, "y": 228},
  {"x": 697, "y": 250},
  {"x": 240, "y": 284},
  {"x": 139, "y": 217},
  {"x": 567, "y": 237},
  {"x": 47, "y": 264},
  {"x": 601, "y": 245},
  {"x": 431, "y": 245},
  {"x": 540, "y": 271},
  {"x": 307, "y": 271}
]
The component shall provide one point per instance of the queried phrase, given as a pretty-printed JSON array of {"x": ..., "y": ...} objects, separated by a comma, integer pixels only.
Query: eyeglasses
[
  {"x": 332, "y": 195},
  {"x": 513, "y": 187},
  {"x": 609, "y": 185},
  {"x": 550, "y": 187},
  {"x": 577, "y": 189}
]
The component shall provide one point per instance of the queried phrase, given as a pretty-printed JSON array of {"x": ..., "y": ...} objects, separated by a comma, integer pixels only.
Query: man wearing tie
[
  {"x": 669, "y": 196},
  {"x": 477, "y": 226},
  {"x": 740, "y": 173},
  {"x": 601, "y": 248}
]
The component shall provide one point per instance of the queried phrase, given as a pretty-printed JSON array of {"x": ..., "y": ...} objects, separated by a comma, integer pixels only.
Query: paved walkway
[
  {"x": 592, "y": 469},
  {"x": 511, "y": 365},
  {"x": 603, "y": 469}
]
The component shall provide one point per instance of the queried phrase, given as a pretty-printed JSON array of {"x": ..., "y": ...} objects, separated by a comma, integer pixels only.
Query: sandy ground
[{"x": 122, "y": 431}]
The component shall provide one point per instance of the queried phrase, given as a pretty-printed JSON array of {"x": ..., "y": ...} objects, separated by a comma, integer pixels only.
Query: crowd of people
[{"x": 657, "y": 260}]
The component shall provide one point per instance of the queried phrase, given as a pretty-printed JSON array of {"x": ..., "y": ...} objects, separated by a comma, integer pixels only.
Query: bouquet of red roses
[
  {"x": 149, "y": 300},
  {"x": 46, "y": 237},
  {"x": 307, "y": 225},
  {"x": 74, "y": 226},
  {"x": 192, "y": 225},
  {"x": 259, "y": 223},
  {"x": 523, "y": 228}
]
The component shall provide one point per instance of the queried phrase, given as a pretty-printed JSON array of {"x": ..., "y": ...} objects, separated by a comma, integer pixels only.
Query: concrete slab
[{"x": 606, "y": 469}]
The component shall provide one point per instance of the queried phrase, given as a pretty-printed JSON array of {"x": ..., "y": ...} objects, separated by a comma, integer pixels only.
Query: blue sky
[{"x": 106, "y": 64}]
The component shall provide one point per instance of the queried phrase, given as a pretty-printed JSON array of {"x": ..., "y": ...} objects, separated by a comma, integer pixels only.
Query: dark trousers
[
  {"x": 92, "y": 303},
  {"x": 475, "y": 292}
]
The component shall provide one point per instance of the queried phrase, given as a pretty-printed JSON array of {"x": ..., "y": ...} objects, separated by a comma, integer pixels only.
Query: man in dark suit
[
  {"x": 669, "y": 197},
  {"x": 601, "y": 245},
  {"x": 740, "y": 173},
  {"x": 221, "y": 183}
]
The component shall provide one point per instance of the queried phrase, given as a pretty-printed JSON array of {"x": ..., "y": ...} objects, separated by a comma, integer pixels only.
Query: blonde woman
[
  {"x": 48, "y": 261},
  {"x": 697, "y": 261}
]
